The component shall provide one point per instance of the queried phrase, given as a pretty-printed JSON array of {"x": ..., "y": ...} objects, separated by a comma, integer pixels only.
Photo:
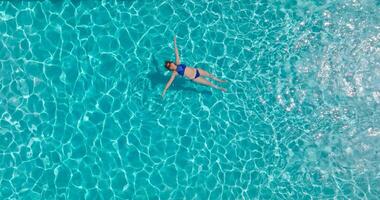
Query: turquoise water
[{"x": 82, "y": 116}]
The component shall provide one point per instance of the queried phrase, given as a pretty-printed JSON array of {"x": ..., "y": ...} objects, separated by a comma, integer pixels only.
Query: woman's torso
[{"x": 186, "y": 71}]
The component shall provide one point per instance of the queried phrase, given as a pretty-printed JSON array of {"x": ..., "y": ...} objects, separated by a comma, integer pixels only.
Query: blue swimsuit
[{"x": 181, "y": 70}]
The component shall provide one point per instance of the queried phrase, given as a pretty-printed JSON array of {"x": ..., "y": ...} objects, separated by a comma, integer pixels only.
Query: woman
[{"x": 194, "y": 74}]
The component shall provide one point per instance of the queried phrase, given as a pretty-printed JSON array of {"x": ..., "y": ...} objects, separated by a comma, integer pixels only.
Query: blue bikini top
[{"x": 181, "y": 69}]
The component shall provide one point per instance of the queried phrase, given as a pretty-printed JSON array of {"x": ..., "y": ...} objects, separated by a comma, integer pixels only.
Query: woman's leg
[
  {"x": 208, "y": 83},
  {"x": 205, "y": 73}
]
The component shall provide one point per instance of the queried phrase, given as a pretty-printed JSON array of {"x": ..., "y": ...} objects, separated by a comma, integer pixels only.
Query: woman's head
[{"x": 170, "y": 65}]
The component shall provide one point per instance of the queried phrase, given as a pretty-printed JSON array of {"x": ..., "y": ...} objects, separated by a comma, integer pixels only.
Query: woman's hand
[
  {"x": 175, "y": 41},
  {"x": 163, "y": 93}
]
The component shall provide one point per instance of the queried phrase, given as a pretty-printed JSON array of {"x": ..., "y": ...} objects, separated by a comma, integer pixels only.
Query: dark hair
[{"x": 167, "y": 63}]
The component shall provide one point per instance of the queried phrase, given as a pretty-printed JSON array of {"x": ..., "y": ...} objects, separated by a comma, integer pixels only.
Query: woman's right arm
[{"x": 169, "y": 83}]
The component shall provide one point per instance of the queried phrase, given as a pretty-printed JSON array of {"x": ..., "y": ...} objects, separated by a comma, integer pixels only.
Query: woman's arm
[
  {"x": 169, "y": 83},
  {"x": 177, "y": 60}
]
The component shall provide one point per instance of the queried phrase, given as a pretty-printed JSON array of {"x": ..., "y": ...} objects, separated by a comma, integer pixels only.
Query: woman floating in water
[{"x": 195, "y": 74}]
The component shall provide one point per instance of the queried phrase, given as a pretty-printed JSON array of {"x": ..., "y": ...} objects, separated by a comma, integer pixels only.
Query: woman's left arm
[{"x": 177, "y": 60}]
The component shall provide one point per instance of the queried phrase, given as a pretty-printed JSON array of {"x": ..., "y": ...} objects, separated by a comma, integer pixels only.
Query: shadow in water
[{"x": 159, "y": 79}]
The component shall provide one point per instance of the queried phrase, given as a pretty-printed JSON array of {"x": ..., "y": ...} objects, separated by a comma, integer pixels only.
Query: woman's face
[{"x": 172, "y": 66}]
